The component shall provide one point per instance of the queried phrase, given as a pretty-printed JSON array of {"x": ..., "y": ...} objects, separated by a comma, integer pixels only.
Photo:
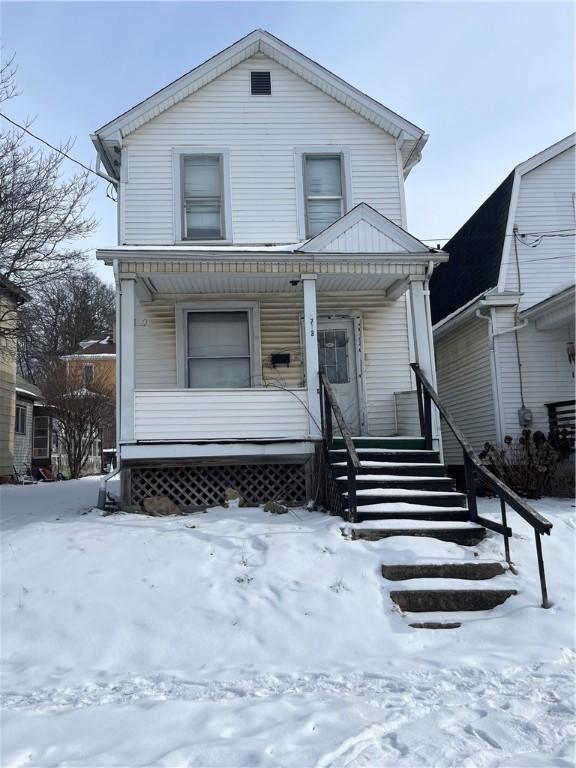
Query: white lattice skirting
[{"x": 205, "y": 485}]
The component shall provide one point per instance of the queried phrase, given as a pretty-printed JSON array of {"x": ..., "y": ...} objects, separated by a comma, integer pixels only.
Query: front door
[{"x": 337, "y": 359}]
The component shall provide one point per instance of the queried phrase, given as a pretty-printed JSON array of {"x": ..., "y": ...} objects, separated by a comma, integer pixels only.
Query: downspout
[{"x": 494, "y": 366}]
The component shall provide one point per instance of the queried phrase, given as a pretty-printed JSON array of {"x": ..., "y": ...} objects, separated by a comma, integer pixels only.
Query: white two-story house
[{"x": 261, "y": 239}]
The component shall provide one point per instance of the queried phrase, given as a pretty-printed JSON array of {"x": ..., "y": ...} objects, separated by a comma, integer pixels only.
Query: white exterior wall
[
  {"x": 261, "y": 134},
  {"x": 385, "y": 344},
  {"x": 465, "y": 385},
  {"x": 545, "y": 202},
  {"x": 546, "y": 371}
]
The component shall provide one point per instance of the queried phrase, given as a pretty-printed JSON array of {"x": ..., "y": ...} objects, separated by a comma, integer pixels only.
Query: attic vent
[{"x": 260, "y": 84}]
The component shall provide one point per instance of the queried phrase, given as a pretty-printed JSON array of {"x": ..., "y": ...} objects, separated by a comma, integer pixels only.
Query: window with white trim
[
  {"x": 218, "y": 350},
  {"x": 20, "y": 426},
  {"x": 323, "y": 191},
  {"x": 202, "y": 197}
]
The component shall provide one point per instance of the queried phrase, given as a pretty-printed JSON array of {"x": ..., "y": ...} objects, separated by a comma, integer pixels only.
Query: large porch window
[{"x": 220, "y": 347}]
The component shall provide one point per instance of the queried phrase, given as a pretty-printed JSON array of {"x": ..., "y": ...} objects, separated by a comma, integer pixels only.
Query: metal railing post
[
  {"x": 351, "y": 490},
  {"x": 505, "y": 526},
  {"x": 420, "y": 407},
  {"x": 544, "y": 590},
  {"x": 427, "y": 421},
  {"x": 470, "y": 487}
]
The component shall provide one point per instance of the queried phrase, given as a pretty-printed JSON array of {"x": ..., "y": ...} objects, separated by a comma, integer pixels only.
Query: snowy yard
[{"x": 239, "y": 638}]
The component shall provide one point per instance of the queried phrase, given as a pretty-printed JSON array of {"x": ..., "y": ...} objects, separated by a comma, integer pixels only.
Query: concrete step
[
  {"x": 432, "y": 600},
  {"x": 388, "y": 454},
  {"x": 418, "y": 482},
  {"x": 383, "y": 468},
  {"x": 365, "y": 496},
  {"x": 466, "y": 535},
  {"x": 460, "y": 514},
  {"x": 472, "y": 571},
  {"x": 404, "y": 442}
]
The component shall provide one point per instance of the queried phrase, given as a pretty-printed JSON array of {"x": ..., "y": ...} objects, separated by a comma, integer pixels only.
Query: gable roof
[
  {"x": 411, "y": 139},
  {"x": 365, "y": 230},
  {"x": 27, "y": 389},
  {"x": 477, "y": 249}
]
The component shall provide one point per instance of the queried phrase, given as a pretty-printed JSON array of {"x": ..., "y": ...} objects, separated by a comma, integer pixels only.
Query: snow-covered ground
[{"x": 239, "y": 638}]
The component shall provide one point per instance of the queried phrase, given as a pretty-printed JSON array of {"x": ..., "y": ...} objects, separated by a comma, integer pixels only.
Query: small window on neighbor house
[
  {"x": 20, "y": 427},
  {"x": 88, "y": 375},
  {"x": 260, "y": 84},
  {"x": 324, "y": 191},
  {"x": 202, "y": 197}
]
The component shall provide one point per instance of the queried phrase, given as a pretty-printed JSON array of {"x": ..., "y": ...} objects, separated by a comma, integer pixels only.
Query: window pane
[
  {"x": 322, "y": 213},
  {"x": 40, "y": 441},
  {"x": 217, "y": 374},
  {"x": 218, "y": 334},
  {"x": 203, "y": 219},
  {"x": 332, "y": 355},
  {"x": 323, "y": 176},
  {"x": 202, "y": 176}
]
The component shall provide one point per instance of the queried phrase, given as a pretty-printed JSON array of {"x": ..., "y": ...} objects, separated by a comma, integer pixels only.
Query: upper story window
[
  {"x": 202, "y": 195},
  {"x": 202, "y": 192},
  {"x": 323, "y": 191},
  {"x": 20, "y": 425},
  {"x": 260, "y": 84}
]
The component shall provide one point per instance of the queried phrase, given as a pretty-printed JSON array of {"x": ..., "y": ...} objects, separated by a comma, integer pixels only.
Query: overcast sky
[{"x": 492, "y": 83}]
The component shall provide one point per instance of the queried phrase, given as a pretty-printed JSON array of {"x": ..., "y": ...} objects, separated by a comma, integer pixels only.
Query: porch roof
[{"x": 164, "y": 271}]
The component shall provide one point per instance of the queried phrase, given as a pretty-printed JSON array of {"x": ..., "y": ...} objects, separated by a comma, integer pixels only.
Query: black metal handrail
[
  {"x": 330, "y": 406},
  {"x": 476, "y": 473}
]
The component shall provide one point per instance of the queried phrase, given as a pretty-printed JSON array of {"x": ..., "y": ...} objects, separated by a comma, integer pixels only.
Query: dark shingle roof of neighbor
[
  {"x": 98, "y": 344},
  {"x": 475, "y": 254},
  {"x": 28, "y": 387}
]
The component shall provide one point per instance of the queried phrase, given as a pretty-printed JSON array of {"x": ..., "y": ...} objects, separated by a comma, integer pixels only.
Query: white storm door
[{"x": 337, "y": 360}]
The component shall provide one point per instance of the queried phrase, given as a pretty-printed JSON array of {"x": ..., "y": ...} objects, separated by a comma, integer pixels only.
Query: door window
[{"x": 333, "y": 355}]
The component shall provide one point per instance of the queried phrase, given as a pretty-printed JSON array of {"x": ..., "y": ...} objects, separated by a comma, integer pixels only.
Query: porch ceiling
[{"x": 260, "y": 283}]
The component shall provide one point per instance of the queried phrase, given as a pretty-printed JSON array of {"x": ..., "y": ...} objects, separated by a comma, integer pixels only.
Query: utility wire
[{"x": 60, "y": 151}]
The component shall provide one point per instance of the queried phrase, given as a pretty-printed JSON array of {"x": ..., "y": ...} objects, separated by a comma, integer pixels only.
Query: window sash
[
  {"x": 40, "y": 437},
  {"x": 20, "y": 421},
  {"x": 314, "y": 223},
  {"x": 205, "y": 361},
  {"x": 191, "y": 197}
]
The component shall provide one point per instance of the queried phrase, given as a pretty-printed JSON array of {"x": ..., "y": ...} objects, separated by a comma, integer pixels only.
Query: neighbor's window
[
  {"x": 202, "y": 197},
  {"x": 88, "y": 375},
  {"x": 323, "y": 189},
  {"x": 218, "y": 350},
  {"x": 40, "y": 438},
  {"x": 20, "y": 427}
]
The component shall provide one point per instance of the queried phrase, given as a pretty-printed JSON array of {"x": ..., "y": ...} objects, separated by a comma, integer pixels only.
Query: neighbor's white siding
[
  {"x": 465, "y": 385},
  {"x": 545, "y": 202},
  {"x": 547, "y": 374},
  {"x": 23, "y": 443},
  {"x": 385, "y": 345},
  {"x": 261, "y": 134}
]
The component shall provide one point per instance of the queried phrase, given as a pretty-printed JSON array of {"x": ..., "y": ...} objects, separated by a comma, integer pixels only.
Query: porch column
[
  {"x": 423, "y": 339},
  {"x": 311, "y": 350},
  {"x": 126, "y": 370}
]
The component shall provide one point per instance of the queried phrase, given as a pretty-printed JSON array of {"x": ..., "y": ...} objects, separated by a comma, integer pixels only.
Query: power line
[{"x": 60, "y": 151}]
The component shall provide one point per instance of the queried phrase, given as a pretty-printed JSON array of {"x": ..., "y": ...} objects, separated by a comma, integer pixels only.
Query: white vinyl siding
[
  {"x": 385, "y": 345},
  {"x": 465, "y": 386},
  {"x": 263, "y": 136},
  {"x": 546, "y": 371},
  {"x": 545, "y": 202}
]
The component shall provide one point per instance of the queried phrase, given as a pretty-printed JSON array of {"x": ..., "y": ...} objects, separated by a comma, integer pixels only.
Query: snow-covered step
[
  {"x": 465, "y": 534},
  {"x": 469, "y": 571},
  {"x": 376, "y": 496},
  {"x": 449, "y": 600},
  {"x": 385, "y": 468},
  {"x": 419, "y": 482}
]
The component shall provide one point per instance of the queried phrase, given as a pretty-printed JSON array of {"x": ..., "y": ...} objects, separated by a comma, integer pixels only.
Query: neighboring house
[
  {"x": 11, "y": 297},
  {"x": 32, "y": 424},
  {"x": 503, "y": 307},
  {"x": 92, "y": 366},
  {"x": 262, "y": 238}
]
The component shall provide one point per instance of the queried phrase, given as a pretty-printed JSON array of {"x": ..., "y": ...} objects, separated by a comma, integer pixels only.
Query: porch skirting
[{"x": 197, "y": 484}]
